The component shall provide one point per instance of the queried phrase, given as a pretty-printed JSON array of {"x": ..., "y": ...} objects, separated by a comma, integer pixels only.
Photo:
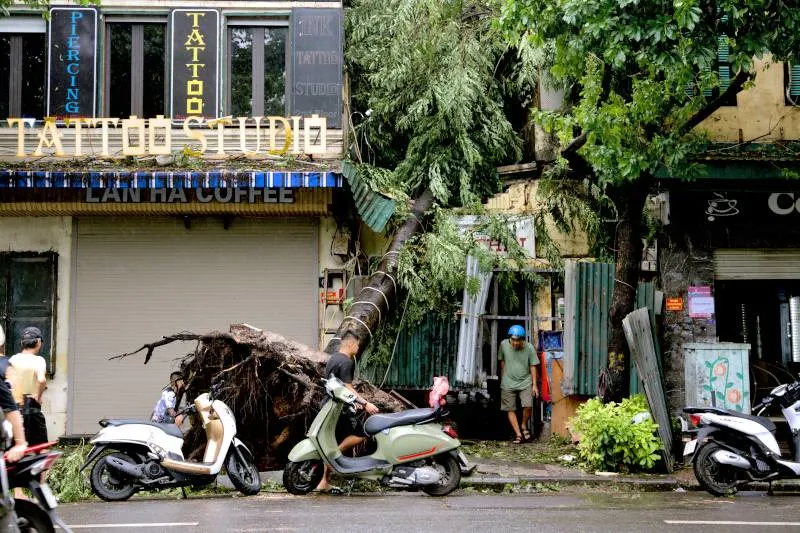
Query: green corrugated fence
[
  {"x": 595, "y": 288},
  {"x": 423, "y": 351}
]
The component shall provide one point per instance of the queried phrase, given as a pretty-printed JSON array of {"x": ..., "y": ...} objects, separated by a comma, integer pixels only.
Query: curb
[{"x": 647, "y": 485}]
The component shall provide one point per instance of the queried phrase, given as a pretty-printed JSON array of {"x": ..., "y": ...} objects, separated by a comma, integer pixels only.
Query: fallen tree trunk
[
  {"x": 376, "y": 299},
  {"x": 273, "y": 386}
]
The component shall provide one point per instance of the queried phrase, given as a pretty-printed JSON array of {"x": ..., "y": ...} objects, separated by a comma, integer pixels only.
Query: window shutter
[
  {"x": 794, "y": 81},
  {"x": 723, "y": 62}
]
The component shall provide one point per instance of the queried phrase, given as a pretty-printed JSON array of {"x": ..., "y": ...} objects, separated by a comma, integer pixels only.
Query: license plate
[
  {"x": 690, "y": 446},
  {"x": 47, "y": 495}
]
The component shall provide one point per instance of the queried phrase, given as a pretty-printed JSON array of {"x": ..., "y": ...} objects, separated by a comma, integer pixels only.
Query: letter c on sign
[{"x": 778, "y": 210}]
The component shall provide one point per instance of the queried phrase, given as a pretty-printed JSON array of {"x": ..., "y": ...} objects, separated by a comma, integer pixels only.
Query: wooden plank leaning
[{"x": 639, "y": 334}]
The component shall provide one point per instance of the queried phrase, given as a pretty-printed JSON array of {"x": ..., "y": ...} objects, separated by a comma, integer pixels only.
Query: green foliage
[
  {"x": 432, "y": 264},
  {"x": 69, "y": 484},
  {"x": 641, "y": 69},
  {"x": 610, "y": 441},
  {"x": 430, "y": 72},
  {"x": 42, "y": 5}
]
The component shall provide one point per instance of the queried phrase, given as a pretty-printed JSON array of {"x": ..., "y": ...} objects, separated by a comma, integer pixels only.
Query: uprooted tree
[
  {"x": 640, "y": 75},
  {"x": 272, "y": 384}
]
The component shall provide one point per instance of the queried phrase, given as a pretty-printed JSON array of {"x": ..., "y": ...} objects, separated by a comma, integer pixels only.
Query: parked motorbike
[
  {"x": 27, "y": 473},
  {"x": 414, "y": 450},
  {"x": 729, "y": 449},
  {"x": 134, "y": 455}
]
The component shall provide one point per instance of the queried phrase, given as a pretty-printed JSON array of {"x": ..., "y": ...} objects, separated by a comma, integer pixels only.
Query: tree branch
[{"x": 734, "y": 88}]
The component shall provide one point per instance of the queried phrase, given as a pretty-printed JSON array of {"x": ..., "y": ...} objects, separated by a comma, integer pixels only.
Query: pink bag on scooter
[{"x": 441, "y": 386}]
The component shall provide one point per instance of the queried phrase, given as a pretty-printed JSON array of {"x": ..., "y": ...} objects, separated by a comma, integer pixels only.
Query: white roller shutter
[
  {"x": 138, "y": 279},
  {"x": 747, "y": 264}
]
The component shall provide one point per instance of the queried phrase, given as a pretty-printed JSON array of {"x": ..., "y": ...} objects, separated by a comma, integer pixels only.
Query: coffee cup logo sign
[
  {"x": 720, "y": 206},
  {"x": 258, "y": 136}
]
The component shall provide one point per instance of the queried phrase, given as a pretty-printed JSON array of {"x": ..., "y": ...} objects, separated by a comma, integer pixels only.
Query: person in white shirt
[{"x": 29, "y": 378}]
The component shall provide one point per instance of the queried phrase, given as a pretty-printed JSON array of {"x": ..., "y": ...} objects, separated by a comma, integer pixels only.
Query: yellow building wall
[
  {"x": 521, "y": 198},
  {"x": 760, "y": 112}
]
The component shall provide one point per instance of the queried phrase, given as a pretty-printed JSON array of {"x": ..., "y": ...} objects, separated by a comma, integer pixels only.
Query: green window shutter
[
  {"x": 794, "y": 81},
  {"x": 723, "y": 62}
]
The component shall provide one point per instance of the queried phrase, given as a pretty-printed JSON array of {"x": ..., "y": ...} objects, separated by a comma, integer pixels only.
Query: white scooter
[
  {"x": 729, "y": 448},
  {"x": 139, "y": 455}
]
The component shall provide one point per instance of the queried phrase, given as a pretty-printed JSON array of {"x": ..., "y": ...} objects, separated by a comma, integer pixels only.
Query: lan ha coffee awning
[{"x": 224, "y": 192}]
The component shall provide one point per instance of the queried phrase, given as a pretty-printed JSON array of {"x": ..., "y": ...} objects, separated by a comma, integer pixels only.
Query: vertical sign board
[
  {"x": 316, "y": 64},
  {"x": 195, "y": 64},
  {"x": 71, "y": 66}
]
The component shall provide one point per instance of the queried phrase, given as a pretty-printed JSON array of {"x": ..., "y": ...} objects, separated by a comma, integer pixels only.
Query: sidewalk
[{"x": 497, "y": 473}]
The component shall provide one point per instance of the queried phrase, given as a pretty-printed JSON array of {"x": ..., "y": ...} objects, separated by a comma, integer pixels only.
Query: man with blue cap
[{"x": 518, "y": 362}]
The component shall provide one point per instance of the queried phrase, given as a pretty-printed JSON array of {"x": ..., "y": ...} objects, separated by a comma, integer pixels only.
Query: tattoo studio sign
[
  {"x": 257, "y": 136},
  {"x": 195, "y": 71}
]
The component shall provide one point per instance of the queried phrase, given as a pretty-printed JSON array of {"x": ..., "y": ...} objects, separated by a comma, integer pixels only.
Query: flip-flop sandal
[
  {"x": 517, "y": 440},
  {"x": 526, "y": 436},
  {"x": 332, "y": 490}
]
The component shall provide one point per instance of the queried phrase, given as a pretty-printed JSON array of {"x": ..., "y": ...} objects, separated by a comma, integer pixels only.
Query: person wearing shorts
[{"x": 518, "y": 362}]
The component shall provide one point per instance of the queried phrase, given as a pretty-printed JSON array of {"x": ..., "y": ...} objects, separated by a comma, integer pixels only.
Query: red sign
[{"x": 674, "y": 304}]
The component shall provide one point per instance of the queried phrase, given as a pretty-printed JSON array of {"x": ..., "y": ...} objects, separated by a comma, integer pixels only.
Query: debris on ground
[{"x": 273, "y": 386}]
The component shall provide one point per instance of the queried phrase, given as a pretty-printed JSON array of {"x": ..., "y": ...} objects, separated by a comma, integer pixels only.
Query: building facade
[
  {"x": 165, "y": 167},
  {"x": 729, "y": 253}
]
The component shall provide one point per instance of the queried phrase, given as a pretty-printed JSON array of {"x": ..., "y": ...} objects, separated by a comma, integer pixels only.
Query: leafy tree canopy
[
  {"x": 436, "y": 81},
  {"x": 646, "y": 71}
]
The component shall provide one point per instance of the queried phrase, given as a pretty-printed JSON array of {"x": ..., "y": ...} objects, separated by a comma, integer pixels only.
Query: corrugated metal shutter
[
  {"x": 734, "y": 264},
  {"x": 137, "y": 279}
]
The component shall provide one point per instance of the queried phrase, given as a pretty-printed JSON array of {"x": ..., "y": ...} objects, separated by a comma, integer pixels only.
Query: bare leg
[
  {"x": 526, "y": 416},
  {"x": 347, "y": 443},
  {"x": 512, "y": 418}
]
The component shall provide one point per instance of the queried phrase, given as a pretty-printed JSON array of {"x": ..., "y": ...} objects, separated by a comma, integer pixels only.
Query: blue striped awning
[{"x": 38, "y": 179}]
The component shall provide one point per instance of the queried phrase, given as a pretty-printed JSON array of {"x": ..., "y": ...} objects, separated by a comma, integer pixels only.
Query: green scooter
[{"x": 414, "y": 450}]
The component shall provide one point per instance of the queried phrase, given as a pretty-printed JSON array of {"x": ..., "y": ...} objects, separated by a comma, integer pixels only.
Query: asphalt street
[{"x": 585, "y": 511}]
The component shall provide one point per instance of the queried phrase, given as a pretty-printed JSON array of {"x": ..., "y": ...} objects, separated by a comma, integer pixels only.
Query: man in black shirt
[{"x": 342, "y": 365}]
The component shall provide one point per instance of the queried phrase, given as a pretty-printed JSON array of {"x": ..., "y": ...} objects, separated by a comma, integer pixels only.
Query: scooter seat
[
  {"x": 764, "y": 421},
  {"x": 377, "y": 423},
  {"x": 169, "y": 429}
]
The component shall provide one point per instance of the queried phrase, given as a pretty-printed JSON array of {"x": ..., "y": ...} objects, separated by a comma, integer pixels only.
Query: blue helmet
[{"x": 516, "y": 331}]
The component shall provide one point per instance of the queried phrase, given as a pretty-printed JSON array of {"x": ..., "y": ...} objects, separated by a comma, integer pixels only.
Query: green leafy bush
[
  {"x": 609, "y": 440},
  {"x": 67, "y": 481}
]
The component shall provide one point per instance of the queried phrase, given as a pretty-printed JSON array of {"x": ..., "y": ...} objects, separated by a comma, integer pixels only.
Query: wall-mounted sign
[
  {"x": 195, "y": 68},
  {"x": 522, "y": 228},
  {"x": 675, "y": 304},
  {"x": 71, "y": 70},
  {"x": 258, "y": 136},
  {"x": 317, "y": 63},
  {"x": 701, "y": 303}
]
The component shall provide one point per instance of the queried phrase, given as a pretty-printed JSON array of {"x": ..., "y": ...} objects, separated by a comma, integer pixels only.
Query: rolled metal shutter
[
  {"x": 138, "y": 279},
  {"x": 755, "y": 264}
]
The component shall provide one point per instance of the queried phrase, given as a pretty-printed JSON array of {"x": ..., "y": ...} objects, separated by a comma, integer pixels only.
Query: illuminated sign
[
  {"x": 195, "y": 65},
  {"x": 72, "y": 41}
]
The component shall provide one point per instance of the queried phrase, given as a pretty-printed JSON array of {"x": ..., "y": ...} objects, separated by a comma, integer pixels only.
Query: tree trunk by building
[
  {"x": 377, "y": 298},
  {"x": 630, "y": 200}
]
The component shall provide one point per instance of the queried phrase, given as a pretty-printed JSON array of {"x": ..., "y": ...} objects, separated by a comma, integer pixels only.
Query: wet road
[{"x": 587, "y": 511}]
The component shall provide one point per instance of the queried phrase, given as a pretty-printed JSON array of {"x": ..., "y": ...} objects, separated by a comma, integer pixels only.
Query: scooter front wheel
[
  {"x": 450, "y": 470},
  {"x": 303, "y": 477},
  {"x": 244, "y": 476}
]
